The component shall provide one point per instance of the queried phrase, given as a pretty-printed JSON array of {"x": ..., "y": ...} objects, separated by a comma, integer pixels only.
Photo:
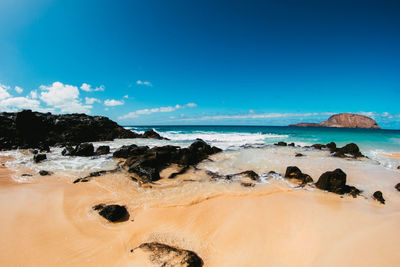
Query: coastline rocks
[
  {"x": 103, "y": 150},
  {"x": 147, "y": 163},
  {"x": 331, "y": 146},
  {"x": 153, "y": 134},
  {"x": 129, "y": 151},
  {"x": 349, "y": 149},
  {"x": 378, "y": 196},
  {"x": 335, "y": 182},
  {"x": 27, "y": 129},
  {"x": 293, "y": 172},
  {"x": 39, "y": 157},
  {"x": 165, "y": 255},
  {"x": 299, "y": 155},
  {"x": 84, "y": 150},
  {"x": 397, "y": 186},
  {"x": 281, "y": 144},
  {"x": 344, "y": 120},
  {"x": 112, "y": 213}
]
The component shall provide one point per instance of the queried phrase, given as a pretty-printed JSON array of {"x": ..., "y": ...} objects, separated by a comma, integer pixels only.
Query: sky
[{"x": 202, "y": 62}]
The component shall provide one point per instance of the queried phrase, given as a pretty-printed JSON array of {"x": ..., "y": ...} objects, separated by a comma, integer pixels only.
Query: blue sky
[{"x": 202, "y": 62}]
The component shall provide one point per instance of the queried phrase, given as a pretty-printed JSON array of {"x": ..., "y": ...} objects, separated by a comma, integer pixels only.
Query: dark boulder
[
  {"x": 331, "y": 146},
  {"x": 114, "y": 213},
  {"x": 378, "y": 196},
  {"x": 335, "y": 181},
  {"x": 84, "y": 150},
  {"x": 103, "y": 150},
  {"x": 293, "y": 172},
  {"x": 44, "y": 173},
  {"x": 39, "y": 158},
  {"x": 153, "y": 134},
  {"x": 299, "y": 155},
  {"x": 291, "y": 144},
  {"x": 281, "y": 144},
  {"x": 349, "y": 149},
  {"x": 397, "y": 186},
  {"x": 129, "y": 151},
  {"x": 165, "y": 255},
  {"x": 398, "y": 167},
  {"x": 68, "y": 151},
  {"x": 318, "y": 146},
  {"x": 246, "y": 184}
]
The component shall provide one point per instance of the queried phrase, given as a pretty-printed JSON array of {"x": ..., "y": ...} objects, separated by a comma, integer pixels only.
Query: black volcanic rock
[
  {"x": 250, "y": 174},
  {"x": 113, "y": 213},
  {"x": 165, "y": 255},
  {"x": 129, "y": 151},
  {"x": 44, "y": 173},
  {"x": 147, "y": 163},
  {"x": 293, "y": 172},
  {"x": 281, "y": 144},
  {"x": 102, "y": 150},
  {"x": 84, "y": 150},
  {"x": 153, "y": 134},
  {"x": 331, "y": 146},
  {"x": 349, "y": 149},
  {"x": 378, "y": 196},
  {"x": 27, "y": 129},
  {"x": 39, "y": 158},
  {"x": 335, "y": 181}
]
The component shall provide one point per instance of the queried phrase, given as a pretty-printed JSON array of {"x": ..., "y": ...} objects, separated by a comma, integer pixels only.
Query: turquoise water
[{"x": 368, "y": 139}]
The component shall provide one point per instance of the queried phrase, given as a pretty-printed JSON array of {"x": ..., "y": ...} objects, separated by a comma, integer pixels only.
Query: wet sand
[{"x": 49, "y": 221}]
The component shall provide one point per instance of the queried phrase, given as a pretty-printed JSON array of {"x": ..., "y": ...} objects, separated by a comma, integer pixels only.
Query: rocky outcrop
[
  {"x": 27, "y": 129},
  {"x": 164, "y": 255},
  {"x": 147, "y": 163},
  {"x": 293, "y": 172},
  {"x": 335, "y": 182},
  {"x": 378, "y": 196},
  {"x": 39, "y": 158},
  {"x": 344, "y": 120},
  {"x": 113, "y": 213},
  {"x": 102, "y": 150}
]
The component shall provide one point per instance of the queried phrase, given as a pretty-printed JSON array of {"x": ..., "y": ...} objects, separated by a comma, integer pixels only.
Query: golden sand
[{"x": 49, "y": 222}]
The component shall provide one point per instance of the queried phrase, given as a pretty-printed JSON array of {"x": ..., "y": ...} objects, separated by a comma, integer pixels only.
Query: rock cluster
[{"x": 147, "y": 162}]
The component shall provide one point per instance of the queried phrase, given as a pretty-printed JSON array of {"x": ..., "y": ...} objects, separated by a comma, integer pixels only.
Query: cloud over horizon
[{"x": 146, "y": 111}]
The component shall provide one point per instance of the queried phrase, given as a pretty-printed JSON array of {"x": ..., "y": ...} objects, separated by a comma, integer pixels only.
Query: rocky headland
[{"x": 28, "y": 129}]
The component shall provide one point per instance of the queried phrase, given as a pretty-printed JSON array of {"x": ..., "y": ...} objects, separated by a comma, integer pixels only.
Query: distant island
[{"x": 344, "y": 120}]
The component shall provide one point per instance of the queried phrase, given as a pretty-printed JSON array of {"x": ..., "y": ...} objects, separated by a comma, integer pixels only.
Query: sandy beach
[{"x": 49, "y": 221}]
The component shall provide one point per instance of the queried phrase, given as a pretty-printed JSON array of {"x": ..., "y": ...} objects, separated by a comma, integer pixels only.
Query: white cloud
[
  {"x": 139, "y": 82},
  {"x": 113, "y": 102},
  {"x": 3, "y": 91},
  {"x": 18, "y": 103},
  {"x": 88, "y": 88},
  {"x": 146, "y": 111},
  {"x": 34, "y": 94},
  {"x": 252, "y": 115},
  {"x": 18, "y": 89},
  {"x": 126, "y": 96},
  {"x": 63, "y": 97},
  {"x": 91, "y": 100}
]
